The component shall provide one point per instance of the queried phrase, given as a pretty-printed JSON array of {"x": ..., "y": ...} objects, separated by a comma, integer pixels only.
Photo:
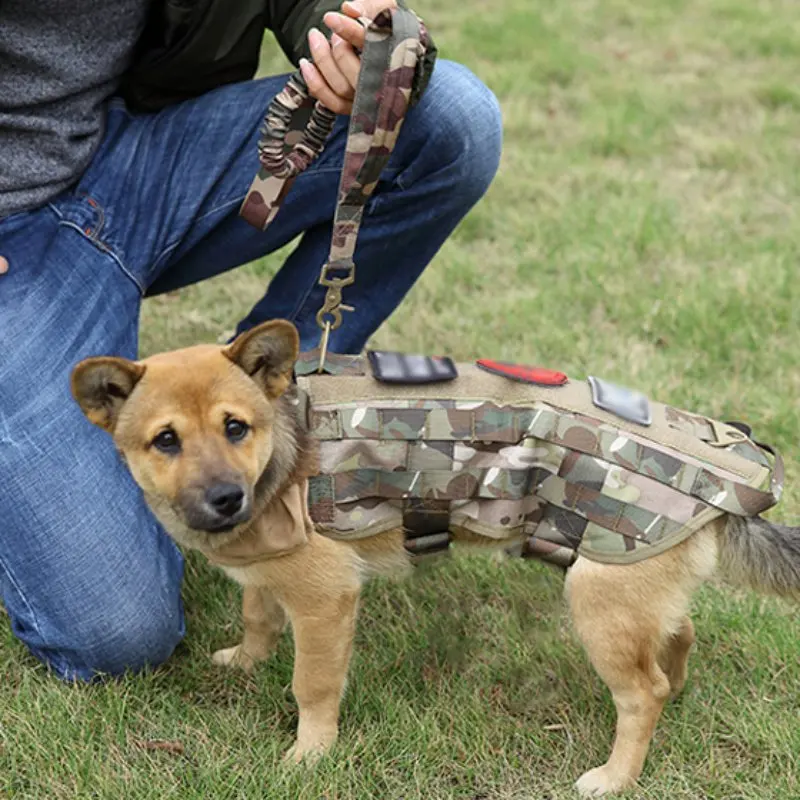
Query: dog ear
[
  {"x": 102, "y": 385},
  {"x": 267, "y": 353}
]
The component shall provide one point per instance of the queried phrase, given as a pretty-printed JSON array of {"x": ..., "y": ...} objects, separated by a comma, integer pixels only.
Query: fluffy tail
[{"x": 761, "y": 555}]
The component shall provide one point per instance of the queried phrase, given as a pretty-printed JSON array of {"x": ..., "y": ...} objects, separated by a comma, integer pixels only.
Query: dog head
[{"x": 207, "y": 432}]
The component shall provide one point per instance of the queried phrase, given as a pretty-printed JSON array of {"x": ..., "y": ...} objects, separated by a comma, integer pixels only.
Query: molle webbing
[
  {"x": 539, "y": 465},
  {"x": 682, "y": 430}
]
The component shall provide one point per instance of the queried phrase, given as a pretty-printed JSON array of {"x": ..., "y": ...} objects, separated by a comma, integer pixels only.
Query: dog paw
[
  {"x": 307, "y": 756},
  {"x": 234, "y": 657},
  {"x": 600, "y": 781}
]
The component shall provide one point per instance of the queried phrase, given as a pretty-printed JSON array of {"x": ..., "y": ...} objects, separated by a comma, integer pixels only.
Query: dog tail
[{"x": 761, "y": 555}]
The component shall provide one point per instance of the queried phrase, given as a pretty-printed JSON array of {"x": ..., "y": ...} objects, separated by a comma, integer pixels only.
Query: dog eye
[
  {"x": 236, "y": 430},
  {"x": 167, "y": 442}
]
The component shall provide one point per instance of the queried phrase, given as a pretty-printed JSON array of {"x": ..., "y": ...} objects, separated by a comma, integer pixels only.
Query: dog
[{"x": 212, "y": 436}]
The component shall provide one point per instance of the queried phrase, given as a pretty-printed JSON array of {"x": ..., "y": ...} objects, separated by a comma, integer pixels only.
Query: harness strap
[
  {"x": 547, "y": 551},
  {"x": 426, "y": 526}
]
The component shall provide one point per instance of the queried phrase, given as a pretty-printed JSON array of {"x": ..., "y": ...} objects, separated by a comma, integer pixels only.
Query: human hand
[
  {"x": 3, "y": 266},
  {"x": 333, "y": 76}
]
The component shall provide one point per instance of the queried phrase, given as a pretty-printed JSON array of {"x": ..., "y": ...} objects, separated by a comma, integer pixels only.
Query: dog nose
[{"x": 225, "y": 498}]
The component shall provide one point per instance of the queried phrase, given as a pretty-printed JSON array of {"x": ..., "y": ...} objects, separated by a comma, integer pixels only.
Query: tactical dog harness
[
  {"x": 560, "y": 468},
  {"x": 505, "y": 458}
]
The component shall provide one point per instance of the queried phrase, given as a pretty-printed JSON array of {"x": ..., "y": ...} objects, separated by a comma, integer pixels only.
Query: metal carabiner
[{"x": 333, "y": 307}]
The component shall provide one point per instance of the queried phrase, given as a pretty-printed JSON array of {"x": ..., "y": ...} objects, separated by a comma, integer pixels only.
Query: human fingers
[
  {"x": 319, "y": 89},
  {"x": 350, "y": 30},
  {"x": 347, "y": 60},
  {"x": 327, "y": 65}
]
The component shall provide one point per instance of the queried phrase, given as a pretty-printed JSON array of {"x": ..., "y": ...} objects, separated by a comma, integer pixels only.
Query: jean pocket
[{"x": 85, "y": 214}]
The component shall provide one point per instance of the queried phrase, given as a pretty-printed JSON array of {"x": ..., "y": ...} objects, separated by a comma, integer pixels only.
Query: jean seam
[
  {"x": 170, "y": 247},
  {"x": 108, "y": 251},
  {"x": 117, "y": 104},
  {"x": 99, "y": 243},
  {"x": 28, "y": 607}
]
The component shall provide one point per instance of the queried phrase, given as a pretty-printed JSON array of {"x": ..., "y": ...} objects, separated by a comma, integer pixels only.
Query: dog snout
[
  {"x": 226, "y": 499},
  {"x": 215, "y": 507}
]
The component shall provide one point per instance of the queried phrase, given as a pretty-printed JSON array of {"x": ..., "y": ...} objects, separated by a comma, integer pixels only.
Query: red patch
[{"x": 519, "y": 372}]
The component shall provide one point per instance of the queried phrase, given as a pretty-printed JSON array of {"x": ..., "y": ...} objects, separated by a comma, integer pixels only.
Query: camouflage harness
[
  {"x": 544, "y": 466},
  {"x": 552, "y": 468}
]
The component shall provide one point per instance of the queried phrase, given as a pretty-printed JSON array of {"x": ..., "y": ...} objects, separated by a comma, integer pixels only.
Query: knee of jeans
[
  {"x": 466, "y": 127},
  {"x": 124, "y": 638}
]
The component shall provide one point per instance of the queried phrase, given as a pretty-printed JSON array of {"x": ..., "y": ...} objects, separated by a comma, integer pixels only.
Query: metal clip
[
  {"x": 329, "y": 317},
  {"x": 323, "y": 347},
  {"x": 332, "y": 308}
]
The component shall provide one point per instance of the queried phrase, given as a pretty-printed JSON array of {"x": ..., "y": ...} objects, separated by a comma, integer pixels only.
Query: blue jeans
[{"x": 90, "y": 581}]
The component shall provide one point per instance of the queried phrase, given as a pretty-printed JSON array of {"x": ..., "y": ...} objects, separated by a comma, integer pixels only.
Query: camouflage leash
[{"x": 394, "y": 45}]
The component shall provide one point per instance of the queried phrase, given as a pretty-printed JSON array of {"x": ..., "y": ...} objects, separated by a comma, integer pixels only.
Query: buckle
[{"x": 428, "y": 545}]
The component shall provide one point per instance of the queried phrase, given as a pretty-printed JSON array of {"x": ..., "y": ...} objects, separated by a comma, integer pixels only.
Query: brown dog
[{"x": 211, "y": 436}]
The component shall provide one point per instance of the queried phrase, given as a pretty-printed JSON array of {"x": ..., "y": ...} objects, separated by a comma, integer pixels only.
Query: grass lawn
[{"x": 644, "y": 227}]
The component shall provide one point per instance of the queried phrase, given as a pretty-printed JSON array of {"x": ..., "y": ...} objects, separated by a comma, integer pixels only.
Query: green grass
[{"x": 644, "y": 227}]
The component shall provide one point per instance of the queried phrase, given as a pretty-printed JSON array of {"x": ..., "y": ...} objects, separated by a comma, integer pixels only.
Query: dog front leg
[
  {"x": 323, "y": 644},
  {"x": 264, "y": 621}
]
